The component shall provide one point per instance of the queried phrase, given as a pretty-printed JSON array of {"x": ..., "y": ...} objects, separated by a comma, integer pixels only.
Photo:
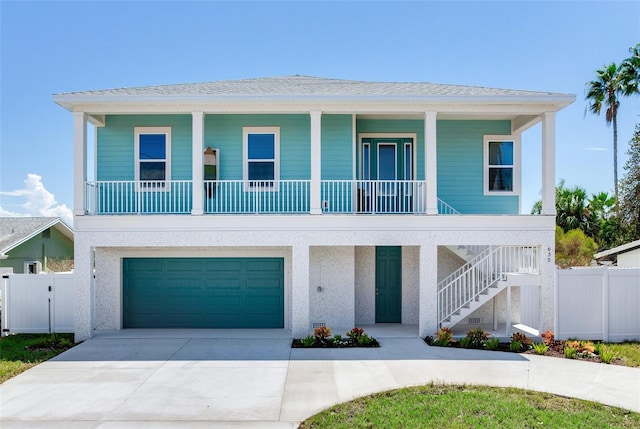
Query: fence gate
[{"x": 37, "y": 303}]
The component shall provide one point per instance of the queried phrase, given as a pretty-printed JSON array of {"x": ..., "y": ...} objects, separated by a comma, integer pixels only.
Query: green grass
[
  {"x": 448, "y": 406},
  {"x": 629, "y": 352},
  {"x": 23, "y": 351}
]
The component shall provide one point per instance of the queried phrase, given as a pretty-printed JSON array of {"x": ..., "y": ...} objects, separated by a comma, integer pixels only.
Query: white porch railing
[
  {"x": 244, "y": 197},
  {"x": 473, "y": 279},
  {"x": 377, "y": 197},
  {"x": 131, "y": 197}
]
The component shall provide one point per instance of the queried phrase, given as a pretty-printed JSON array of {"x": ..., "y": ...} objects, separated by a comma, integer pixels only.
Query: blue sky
[{"x": 53, "y": 47}]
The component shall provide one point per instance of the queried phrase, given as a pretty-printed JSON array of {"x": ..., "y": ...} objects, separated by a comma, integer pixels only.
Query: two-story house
[{"x": 291, "y": 202}]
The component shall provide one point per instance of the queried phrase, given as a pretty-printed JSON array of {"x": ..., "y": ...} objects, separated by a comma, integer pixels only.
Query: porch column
[
  {"x": 300, "y": 324},
  {"x": 431, "y": 163},
  {"x": 428, "y": 295},
  {"x": 548, "y": 163},
  {"x": 316, "y": 161},
  {"x": 197, "y": 158},
  {"x": 79, "y": 162}
]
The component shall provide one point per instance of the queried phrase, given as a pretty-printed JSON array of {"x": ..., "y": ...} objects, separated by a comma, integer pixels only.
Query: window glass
[
  {"x": 386, "y": 162},
  {"x": 152, "y": 170},
  {"x": 261, "y": 146},
  {"x": 366, "y": 162},
  {"x": 501, "y": 179},
  {"x": 408, "y": 164},
  {"x": 259, "y": 171},
  {"x": 500, "y": 153},
  {"x": 153, "y": 146}
]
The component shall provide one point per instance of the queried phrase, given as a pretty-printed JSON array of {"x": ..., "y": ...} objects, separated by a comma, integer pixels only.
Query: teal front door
[
  {"x": 203, "y": 293},
  {"x": 388, "y": 284}
]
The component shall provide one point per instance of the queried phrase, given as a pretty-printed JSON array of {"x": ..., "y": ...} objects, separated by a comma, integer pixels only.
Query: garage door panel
[{"x": 203, "y": 293}]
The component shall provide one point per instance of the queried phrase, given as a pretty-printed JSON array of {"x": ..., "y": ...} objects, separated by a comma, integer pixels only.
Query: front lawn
[
  {"x": 23, "y": 351},
  {"x": 448, "y": 406}
]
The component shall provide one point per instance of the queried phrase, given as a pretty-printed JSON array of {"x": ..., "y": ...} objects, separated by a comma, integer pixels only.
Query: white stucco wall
[
  {"x": 411, "y": 284},
  {"x": 365, "y": 285},
  {"x": 332, "y": 269},
  {"x": 293, "y": 237}
]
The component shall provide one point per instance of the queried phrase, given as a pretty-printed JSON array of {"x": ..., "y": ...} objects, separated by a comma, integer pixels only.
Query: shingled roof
[
  {"x": 16, "y": 230},
  {"x": 309, "y": 86}
]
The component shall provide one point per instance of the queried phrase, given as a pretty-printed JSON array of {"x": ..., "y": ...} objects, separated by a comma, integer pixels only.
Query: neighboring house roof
[
  {"x": 310, "y": 88},
  {"x": 16, "y": 230},
  {"x": 608, "y": 254}
]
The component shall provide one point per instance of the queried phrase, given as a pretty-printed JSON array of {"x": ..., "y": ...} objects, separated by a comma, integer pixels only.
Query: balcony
[{"x": 239, "y": 197}]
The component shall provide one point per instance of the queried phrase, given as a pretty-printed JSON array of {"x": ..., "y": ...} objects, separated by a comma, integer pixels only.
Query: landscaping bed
[
  {"x": 520, "y": 343},
  {"x": 322, "y": 338},
  {"x": 23, "y": 351}
]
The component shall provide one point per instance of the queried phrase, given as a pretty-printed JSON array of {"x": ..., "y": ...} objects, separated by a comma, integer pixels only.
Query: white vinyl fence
[
  {"x": 38, "y": 303},
  {"x": 598, "y": 304}
]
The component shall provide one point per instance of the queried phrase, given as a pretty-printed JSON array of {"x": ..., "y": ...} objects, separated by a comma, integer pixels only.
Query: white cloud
[
  {"x": 39, "y": 201},
  {"x": 596, "y": 149}
]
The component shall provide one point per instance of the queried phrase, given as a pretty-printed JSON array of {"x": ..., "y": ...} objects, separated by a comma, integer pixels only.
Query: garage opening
[{"x": 203, "y": 293}]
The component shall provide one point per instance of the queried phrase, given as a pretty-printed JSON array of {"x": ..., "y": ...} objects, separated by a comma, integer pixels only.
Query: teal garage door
[{"x": 203, "y": 293}]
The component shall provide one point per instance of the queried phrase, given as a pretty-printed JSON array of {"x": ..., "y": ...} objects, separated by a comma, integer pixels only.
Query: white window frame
[
  {"x": 37, "y": 264},
  {"x": 516, "y": 166},
  {"x": 166, "y": 131},
  {"x": 246, "y": 131}
]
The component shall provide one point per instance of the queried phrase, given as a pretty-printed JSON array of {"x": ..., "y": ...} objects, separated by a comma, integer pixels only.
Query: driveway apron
[{"x": 240, "y": 382}]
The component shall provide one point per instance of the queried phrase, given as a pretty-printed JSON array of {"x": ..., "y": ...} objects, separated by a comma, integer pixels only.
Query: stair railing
[{"x": 474, "y": 278}]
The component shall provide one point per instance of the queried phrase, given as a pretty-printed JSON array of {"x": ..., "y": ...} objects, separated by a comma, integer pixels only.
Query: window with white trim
[
  {"x": 261, "y": 153},
  {"x": 153, "y": 154},
  {"x": 501, "y": 165}
]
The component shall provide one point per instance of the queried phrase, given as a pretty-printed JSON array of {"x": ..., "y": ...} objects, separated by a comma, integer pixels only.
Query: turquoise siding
[
  {"x": 115, "y": 149},
  {"x": 224, "y": 132},
  {"x": 461, "y": 167},
  {"x": 337, "y": 152},
  {"x": 460, "y": 146}
]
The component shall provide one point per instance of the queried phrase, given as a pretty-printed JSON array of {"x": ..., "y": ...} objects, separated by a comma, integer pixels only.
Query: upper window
[
  {"x": 500, "y": 159},
  {"x": 261, "y": 147},
  {"x": 153, "y": 154}
]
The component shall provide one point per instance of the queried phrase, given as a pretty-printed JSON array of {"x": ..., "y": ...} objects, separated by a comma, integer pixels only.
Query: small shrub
[
  {"x": 476, "y": 337},
  {"x": 444, "y": 337},
  {"x": 541, "y": 348},
  {"x": 308, "y": 341},
  {"x": 355, "y": 333},
  {"x": 337, "y": 338},
  {"x": 606, "y": 354},
  {"x": 465, "y": 342},
  {"x": 569, "y": 352},
  {"x": 522, "y": 338},
  {"x": 365, "y": 340},
  {"x": 492, "y": 343},
  {"x": 515, "y": 346},
  {"x": 587, "y": 347},
  {"x": 548, "y": 337},
  {"x": 321, "y": 334}
]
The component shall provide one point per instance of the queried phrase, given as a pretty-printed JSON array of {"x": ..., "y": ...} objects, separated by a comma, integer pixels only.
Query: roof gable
[{"x": 17, "y": 230}]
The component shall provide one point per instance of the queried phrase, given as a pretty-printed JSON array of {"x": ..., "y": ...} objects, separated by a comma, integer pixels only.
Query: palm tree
[
  {"x": 630, "y": 71},
  {"x": 604, "y": 92}
]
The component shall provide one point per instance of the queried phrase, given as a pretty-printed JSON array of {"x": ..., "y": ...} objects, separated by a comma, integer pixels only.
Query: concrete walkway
[{"x": 169, "y": 381}]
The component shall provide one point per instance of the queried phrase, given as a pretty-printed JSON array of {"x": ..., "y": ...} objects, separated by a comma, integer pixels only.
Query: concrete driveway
[{"x": 169, "y": 381}]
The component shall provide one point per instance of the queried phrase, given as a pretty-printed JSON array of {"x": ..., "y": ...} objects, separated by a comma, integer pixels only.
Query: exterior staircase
[{"x": 483, "y": 277}]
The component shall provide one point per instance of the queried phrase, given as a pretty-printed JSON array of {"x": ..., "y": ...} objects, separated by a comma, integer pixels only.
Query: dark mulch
[{"x": 328, "y": 344}]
